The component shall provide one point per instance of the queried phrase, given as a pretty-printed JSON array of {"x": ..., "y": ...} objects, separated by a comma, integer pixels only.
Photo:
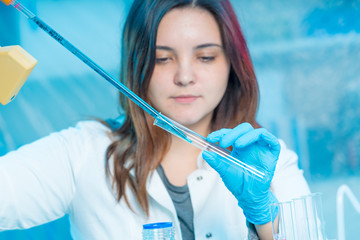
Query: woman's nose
[{"x": 185, "y": 74}]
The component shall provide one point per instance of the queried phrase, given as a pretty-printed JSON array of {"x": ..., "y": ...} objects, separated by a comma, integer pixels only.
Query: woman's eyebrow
[
  {"x": 205, "y": 45},
  {"x": 166, "y": 48}
]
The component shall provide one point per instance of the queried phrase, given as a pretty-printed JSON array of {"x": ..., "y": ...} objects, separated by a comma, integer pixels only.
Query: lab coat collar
[
  {"x": 201, "y": 163},
  {"x": 157, "y": 190}
]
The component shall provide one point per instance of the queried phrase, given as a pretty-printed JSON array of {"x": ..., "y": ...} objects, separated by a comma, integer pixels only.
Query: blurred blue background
[{"x": 306, "y": 55}]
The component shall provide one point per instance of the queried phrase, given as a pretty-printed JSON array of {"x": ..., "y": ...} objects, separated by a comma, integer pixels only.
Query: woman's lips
[{"x": 185, "y": 98}]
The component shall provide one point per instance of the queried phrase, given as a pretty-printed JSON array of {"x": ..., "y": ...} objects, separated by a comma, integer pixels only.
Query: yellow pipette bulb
[
  {"x": 7, "y": 2},
  {"x": 15, "y": 67}
]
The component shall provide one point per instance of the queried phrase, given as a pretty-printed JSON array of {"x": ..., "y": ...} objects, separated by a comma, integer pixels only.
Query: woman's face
[{"x": 191, "y": 70}]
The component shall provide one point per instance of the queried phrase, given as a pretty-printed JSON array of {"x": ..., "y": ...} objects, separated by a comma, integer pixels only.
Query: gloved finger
[
  {"x": 217, "y": 135},
  {"x": 214, "y": 161},
  {"x": 272, "y": 141},
  {"x": 261, "y": 136},
  {"x": 230, "y": 137}
]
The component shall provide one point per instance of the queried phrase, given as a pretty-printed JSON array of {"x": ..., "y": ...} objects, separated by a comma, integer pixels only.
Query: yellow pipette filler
[{"x": 15, "y": 67}]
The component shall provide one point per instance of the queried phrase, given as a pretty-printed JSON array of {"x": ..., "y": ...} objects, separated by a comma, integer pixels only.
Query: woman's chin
[
  {"x": 192, "y": 121},
  {"x": 186, "y": 121}
]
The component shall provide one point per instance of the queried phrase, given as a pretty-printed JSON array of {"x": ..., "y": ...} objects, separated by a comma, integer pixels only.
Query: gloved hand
[{"x": 255, "y": 147}]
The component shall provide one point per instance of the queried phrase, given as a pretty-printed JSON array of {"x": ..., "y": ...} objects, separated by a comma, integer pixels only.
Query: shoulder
[
  {"x": 92, "y": 127},
  {"x": 84, "y": 129},
  {"x": 83, "y": 145},
  {"x": 85, "y": 135},
  {"x": 287, "y": 156},
  {"x": 288, "y": 181}
]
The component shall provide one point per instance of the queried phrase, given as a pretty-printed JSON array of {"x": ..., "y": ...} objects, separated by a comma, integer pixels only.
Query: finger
[
  {"x": 247, "y": 139},
  {"x": 262, "y": 136},
  {"x": 213, "y": 160},
  {"x": 271, "y": 140},
  {"x": 217, "y": 135},
  {"x": 230, "y": 137}
]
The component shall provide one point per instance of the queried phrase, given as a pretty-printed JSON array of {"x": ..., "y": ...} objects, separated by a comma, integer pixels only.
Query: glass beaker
[
  {"x": 299, "y": 219},
  {"x": 315, "y": 216},
  {"x": 283, "y": 223}
]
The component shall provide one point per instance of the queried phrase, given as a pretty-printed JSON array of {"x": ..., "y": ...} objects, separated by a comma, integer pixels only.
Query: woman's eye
[
  {"x": 162, "y": 60},
  {"x": 207, "y": 58}
]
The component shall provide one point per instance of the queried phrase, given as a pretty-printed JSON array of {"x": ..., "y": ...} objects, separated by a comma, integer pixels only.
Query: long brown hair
[{"x": 140, "y": 146}]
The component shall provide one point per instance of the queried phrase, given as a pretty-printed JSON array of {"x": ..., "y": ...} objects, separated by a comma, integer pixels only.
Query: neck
[
  {"x": 181, "y": 159},
  {"x": 182, "y": 150}
]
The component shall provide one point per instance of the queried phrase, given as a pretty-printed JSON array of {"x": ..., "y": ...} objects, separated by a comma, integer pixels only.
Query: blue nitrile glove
[{"x": 255, "y": 147}]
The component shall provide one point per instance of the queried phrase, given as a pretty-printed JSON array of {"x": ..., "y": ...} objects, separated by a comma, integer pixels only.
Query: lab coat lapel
[
  {"x": 157, "y": 191},
  {"x": 201, "y": 184}
]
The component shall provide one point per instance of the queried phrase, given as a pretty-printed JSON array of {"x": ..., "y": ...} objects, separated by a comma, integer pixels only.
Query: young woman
[{"x": 189, "y": 60}]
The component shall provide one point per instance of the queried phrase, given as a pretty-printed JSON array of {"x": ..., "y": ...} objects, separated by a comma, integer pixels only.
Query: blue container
[{"x": 158, "y": 231}]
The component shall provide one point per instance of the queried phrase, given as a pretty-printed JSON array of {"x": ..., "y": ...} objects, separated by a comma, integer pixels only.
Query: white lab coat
[{"x": 64, "y": 173}]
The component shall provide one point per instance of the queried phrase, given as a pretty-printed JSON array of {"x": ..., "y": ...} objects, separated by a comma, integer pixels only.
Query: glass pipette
[
  {"x": 200, "y": 142},
  {"x": 160, "y": 120}
]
